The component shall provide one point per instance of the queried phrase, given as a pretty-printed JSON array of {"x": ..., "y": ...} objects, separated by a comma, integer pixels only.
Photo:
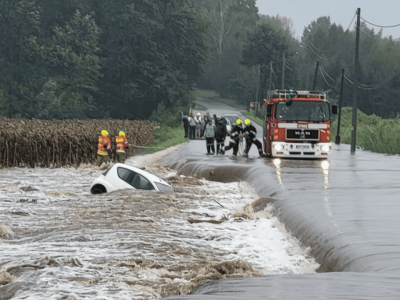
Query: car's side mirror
[
  {"x": 269, "y": 108},
  {"x": 334, "y": 109}
]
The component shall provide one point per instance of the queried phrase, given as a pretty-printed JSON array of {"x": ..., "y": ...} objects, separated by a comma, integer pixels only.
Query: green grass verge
[
  {"x": 373, "y": 132},
  {"x": 253, "y": 118},
  {"x": 213, "y": 95},
  {"x": 165, "y": 137}
]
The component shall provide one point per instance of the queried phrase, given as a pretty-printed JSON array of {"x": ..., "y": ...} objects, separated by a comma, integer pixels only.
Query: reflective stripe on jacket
[
  {"x": 120, "y": 143},
  {"x": 103, "y": 144}
]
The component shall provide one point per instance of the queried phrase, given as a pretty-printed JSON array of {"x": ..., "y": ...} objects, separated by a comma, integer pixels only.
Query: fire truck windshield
[{"x": 302, "y": 111}]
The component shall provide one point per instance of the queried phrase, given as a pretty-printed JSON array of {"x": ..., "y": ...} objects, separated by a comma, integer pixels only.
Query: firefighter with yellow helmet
[
  {"x": 103, "y": 147},
  {"x": 121, "y": 146},
  {"x": 250, "y": 133},
  {"x": 236, "y": 133}
]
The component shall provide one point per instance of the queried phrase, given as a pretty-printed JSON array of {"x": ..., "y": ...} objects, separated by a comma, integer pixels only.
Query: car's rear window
[
  {"x": 164, "y": 188},
  {"x": 141, "y": 183},
  {"x": 123, "y": 173},
  {"x": 232, "y": 119},
  {"x": 106, "y": 171}
]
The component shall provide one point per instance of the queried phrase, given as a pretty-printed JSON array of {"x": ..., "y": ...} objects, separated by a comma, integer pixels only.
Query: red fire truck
[{"x": 297, "y": 124}]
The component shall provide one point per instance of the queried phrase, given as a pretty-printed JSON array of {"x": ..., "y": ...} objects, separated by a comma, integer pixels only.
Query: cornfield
[{"x": 43, "y": 143}]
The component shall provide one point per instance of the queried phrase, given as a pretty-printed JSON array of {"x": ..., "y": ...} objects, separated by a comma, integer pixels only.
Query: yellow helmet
[
  {"x": 238, "y": 121},
  {"x": 247, "y": 122},
  {"x": 121, "y": 133},
  {"x": 104, "y": 132}
]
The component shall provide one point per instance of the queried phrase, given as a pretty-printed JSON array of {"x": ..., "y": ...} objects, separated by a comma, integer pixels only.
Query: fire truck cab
[{"x": 297, "y": 124}]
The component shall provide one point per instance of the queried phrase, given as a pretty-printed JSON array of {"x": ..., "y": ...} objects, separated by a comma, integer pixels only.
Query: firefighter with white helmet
[
  {"x": 236, "y": 133},
  {"x": 251, "y": 138}
]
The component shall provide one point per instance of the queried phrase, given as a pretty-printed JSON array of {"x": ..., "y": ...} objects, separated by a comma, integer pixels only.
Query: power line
[
  {"x": 371, "y": 87},
  {"x": 323, "y": 76},
  {"x": 328, "y": 75},
  {"x": 348, "y": 79},
  {"x": 287, "y": 62},
  {"x": 351, "y": 22},
  {"x": 374, "y": 37},
  {"x": 383, "y": 26},
  {"x": 316, "y": 47},
  {"x": 287, "y": 66},
  {"x": 317, "y": 54}
]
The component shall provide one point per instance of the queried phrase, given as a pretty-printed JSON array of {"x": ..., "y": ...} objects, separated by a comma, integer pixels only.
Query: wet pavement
[{"x": 345, "y": 209}]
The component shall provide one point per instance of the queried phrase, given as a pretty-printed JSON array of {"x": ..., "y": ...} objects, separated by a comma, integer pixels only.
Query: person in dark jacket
[
  {"x": 220, "y": 134},
  {"x": 236, "y": 133},
  {"x": 215, "y": 119},
  {"x": 251, "y": 138},
  {"x": 186, "y": 125},
  {"x": 192, "y": 127}
]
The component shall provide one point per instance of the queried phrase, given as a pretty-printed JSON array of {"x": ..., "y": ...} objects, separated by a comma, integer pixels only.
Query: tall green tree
[
  {"x": 151, "y": 54},
  {"x": 265, "y": 45},
  {"x": 19, "y": 20},
  {"x": 229, "y": 23},
  {"x": 72, "y": 63}
]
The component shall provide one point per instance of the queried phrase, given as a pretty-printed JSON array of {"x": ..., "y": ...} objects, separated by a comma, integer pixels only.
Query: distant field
[
  {"x": 250, "y": 115},
  {"x": 210, "y": 94}
]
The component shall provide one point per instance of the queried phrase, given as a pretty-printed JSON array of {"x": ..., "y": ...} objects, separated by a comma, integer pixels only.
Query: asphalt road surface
[{"x": 346, "y": 209}]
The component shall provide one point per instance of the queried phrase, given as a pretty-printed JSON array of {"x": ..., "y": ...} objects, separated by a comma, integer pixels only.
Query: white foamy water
[{"x": 61, "y": 242}]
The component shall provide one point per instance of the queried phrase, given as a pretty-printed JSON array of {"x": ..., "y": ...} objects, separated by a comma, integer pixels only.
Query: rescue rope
[
  {"x": 149, "y": 147},
  {"x": 241, "y": 146}
]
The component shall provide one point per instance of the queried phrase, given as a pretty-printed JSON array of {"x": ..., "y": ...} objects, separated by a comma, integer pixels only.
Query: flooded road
[
  {"x": 60, "y": 242},
  {"x": 345, "y": 209}
]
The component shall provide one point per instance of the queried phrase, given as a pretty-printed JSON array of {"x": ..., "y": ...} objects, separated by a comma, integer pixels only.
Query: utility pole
[
  {"x": 258, "y": 84},
  {"x": 355, "y": 90},
  {"x": 270, "y": 76},
  {"x": 337, "y": 141},
  {"x": 283, "y": 71},
  {"x": 315, "y": 76}
]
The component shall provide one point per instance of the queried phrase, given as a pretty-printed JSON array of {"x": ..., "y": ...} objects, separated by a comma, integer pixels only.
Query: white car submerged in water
[{"x": 120, "y": 176}]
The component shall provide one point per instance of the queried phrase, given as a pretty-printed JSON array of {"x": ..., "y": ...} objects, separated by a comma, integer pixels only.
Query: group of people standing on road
[
  {"x": 213, "y": 129},
  {"x": 195, "y": 125},
  {"x": 108, "y": 150}
]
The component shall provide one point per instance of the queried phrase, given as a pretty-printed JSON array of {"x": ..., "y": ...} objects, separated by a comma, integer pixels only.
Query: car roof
[
  {"x": 230, "y": 115},
  {"x": 152, "y": 177}
]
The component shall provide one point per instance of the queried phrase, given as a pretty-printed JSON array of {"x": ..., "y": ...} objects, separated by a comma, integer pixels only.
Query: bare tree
[{"x": 221, "y": 23}]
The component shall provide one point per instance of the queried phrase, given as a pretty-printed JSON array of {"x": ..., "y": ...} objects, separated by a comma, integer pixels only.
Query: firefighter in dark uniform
[
  {"x": 220, "y": 134},
  {"x": 236, "y": 133},
  {"x": 251, "y": 138}
]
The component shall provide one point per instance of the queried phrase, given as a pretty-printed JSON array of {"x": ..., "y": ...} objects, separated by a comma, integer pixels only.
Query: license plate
[{"x": 302, "y": 146}]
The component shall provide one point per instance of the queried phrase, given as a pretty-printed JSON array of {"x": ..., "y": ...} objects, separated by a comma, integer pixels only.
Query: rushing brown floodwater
[
  {"x": 60, "y": 242},
  {"x": 346, "y": 210}
]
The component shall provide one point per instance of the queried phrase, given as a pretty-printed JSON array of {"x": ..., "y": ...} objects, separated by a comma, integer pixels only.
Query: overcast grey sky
[{"x": 303, "y": 12}]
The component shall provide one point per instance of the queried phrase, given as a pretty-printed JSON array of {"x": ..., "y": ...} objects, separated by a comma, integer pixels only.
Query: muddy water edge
[
  {"x": 345, "y": 210},
  {"x": 60, "y": 242}
]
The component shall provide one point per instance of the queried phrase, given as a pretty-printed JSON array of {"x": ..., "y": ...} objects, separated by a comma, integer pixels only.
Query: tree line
[
  {"x": 143, "y": 58},
  {"x": 260, "y": 52},
  {"x": 97, "y": 58}
]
